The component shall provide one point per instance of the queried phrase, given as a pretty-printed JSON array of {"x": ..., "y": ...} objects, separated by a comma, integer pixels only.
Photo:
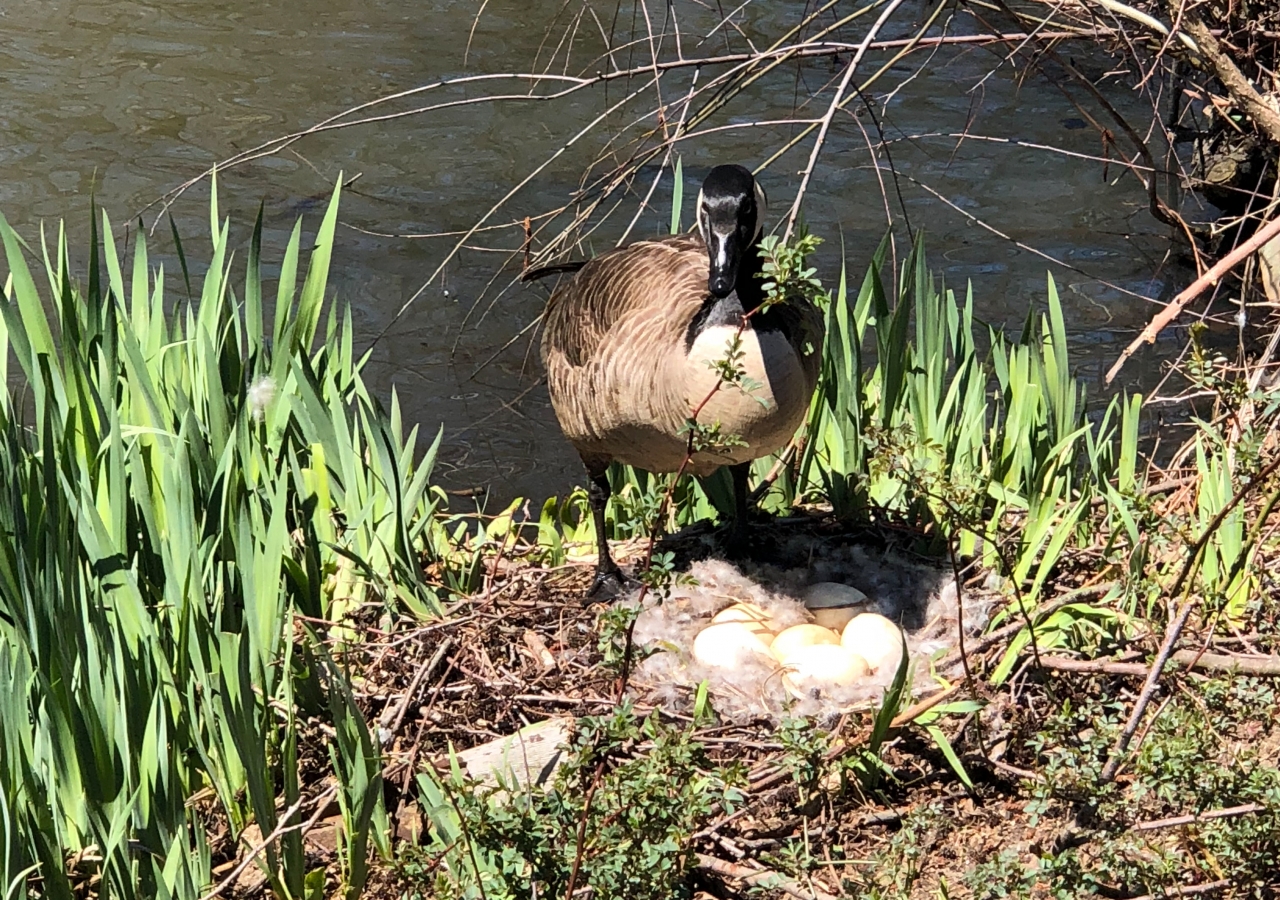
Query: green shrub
[{"x": 617, "y": 819}]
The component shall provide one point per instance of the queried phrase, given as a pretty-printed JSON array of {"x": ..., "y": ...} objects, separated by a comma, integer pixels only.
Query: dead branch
[
  {"x": 1189, "y": 659},
  {"x": 394, "y": 717},
  {"x": 1197, "y": 287},
  {"x": 1092, "y": 666},
  {"x": 762, "y": 878},
  {"x": 1233, "y": 79},
  {"x": 1142, "y": 18},
  {"x": 1196, "y": 818},
  {"x": 1120, "y": 750},
  {"x": 1039, "y": 615},
  {"x": 280, "y": 830},
  {"x": 1224, "y": 662},
  {"x": 836, "y": 103},
  {"x": 1192, "y": 890}
]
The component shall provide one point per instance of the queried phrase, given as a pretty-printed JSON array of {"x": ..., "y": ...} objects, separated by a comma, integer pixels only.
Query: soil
[{"x": 526, "y": 649}]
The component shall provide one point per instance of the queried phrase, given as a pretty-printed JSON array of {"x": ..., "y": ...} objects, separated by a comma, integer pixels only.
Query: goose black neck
[
  {"x": 747, "y": 295},
  {"x": 749, "y": 286}
]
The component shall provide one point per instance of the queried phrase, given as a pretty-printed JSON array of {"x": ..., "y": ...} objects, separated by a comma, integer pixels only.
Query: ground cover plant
[{"x": 245, "y": 645}]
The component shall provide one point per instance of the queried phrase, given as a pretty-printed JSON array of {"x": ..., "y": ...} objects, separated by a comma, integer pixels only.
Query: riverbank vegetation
[{"x": 246, "y": 646}]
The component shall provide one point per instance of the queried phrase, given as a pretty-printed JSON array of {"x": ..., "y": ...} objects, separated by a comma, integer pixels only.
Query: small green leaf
[{"x": 952, "y": 760}]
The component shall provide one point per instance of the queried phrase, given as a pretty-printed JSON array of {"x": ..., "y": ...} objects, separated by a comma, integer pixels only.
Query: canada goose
[{"x": 629, "y": 346}]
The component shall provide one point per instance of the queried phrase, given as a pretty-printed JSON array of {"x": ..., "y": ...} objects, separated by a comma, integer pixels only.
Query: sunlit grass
[{"x": 181, "y": 481}]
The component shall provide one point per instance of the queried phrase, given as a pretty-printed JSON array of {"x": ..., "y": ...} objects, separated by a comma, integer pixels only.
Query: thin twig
[
  {"x": 1194, "y": 290},
  {"x": 278, "y": 832},
  {"x": 958, "y": 578},
  {"x": 422, "y": 674},
  {"x": 836, "y": 103},
  {"x": 761, "y": 878},
  {"x": 580, "y": 837}
]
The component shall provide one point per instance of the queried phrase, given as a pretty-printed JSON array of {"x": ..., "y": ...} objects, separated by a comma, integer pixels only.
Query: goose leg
[
  {"x": 738, "y": 530},
  {"x": 609, "y": 581}
]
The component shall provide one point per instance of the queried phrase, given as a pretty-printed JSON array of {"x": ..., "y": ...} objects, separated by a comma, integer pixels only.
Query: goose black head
[{"x": 731, "y": 209}]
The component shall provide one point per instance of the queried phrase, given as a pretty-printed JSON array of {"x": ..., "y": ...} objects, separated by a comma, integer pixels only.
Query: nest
[{"x": 920, "y": 598}]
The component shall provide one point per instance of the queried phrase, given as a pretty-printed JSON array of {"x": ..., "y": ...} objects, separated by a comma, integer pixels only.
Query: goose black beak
[{"x": 725, "y": 254}]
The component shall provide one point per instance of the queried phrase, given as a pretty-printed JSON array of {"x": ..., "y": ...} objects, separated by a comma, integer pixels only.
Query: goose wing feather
[
  {"x": 619, "y": 370},
  {"x": 610, "y": 333},
  {"x": 664, "y": 279}
]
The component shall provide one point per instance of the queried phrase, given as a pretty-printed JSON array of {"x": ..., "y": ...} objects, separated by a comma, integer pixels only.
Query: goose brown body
[
  {"x": 633, "y": 343},
  {"x": 628, "y": 347}
]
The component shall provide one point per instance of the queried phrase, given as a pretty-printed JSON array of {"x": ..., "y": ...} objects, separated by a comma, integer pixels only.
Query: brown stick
[
  {"x": 579, "y": 844},
  {"x": 911, "y": 713},
  {"x": 1120, "y": 751},
  {"x": 1233, "y": 79},
  {"x": 1192, "y": 890},
  {"x": 1222, "y": 662},
  {"x": 1188, "y": 659},
  {"x": 280, "y": 830},
  {"x": 1193, "y": 818},
  {"x": 766, "y": 878},
  {"x": 1040, "y": 613},
  {"x": 1093, "y": 666},
  {"x": 1197, "y": 287},
  {"x": 396, "y": 719}
]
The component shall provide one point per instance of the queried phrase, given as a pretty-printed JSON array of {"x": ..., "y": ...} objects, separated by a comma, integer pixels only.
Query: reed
[{"x": 181, "y": 482}]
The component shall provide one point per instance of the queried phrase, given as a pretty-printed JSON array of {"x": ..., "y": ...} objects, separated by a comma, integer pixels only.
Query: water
[{"x": 125, "y": 100}]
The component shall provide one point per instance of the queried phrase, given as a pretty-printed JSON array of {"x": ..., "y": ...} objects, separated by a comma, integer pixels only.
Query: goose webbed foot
[{"x": 610, "y": 584}]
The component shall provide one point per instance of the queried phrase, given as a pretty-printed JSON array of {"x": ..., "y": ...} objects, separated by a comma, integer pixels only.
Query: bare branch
[
  {"x": 1230, "y": 75},
  {"x": 1195, "y": 289}
]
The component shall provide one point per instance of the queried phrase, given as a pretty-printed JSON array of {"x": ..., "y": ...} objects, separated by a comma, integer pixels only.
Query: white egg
[
  {"x": 818, "y": 669},
  {"x": 833, "y": 604},
  {"x": 797, "y": 637},
  {"x": 875, "y": 639},
  {"x": 729, "y": 645},
  {"x": 759, "y": 622}
]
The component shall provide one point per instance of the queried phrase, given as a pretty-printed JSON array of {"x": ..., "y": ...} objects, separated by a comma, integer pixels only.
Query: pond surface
[{"x": 126, "y": 100}]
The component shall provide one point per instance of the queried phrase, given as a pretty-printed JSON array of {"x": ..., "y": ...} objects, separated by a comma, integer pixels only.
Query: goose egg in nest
[
  {"x": 818, "y": 669},
  {"x": 875, "y": 639},
  {"x": 798, "y": 637},
  {"x": 833, "y": 604},
  {"x": 728, "y": 645},
  {"x": 751, "y": 617}
]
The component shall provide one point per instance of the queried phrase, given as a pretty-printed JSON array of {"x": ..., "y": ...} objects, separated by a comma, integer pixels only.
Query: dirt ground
[{"x": 527, "y": 650}]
